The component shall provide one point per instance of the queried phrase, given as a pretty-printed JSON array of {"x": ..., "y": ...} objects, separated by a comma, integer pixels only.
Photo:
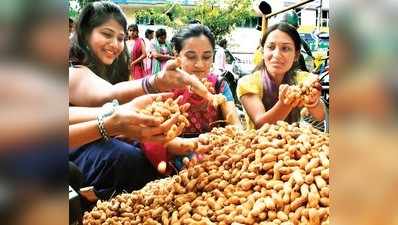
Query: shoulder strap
[{"x": 219, "y": 84}]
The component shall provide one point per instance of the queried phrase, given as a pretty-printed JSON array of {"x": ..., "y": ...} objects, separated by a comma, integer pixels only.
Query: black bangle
[
  {"x": 151, "y": 89},
  {"x": 144, "y": 85}
]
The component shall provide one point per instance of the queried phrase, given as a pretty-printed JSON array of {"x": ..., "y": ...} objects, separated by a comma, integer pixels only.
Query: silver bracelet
[
  {"x": 106, "y": 110},
  {"x": 101, "y": 127}
]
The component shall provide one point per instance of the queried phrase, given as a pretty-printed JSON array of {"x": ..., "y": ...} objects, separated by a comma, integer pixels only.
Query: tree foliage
[
  {"x": 83, "y": 3},
  {"x": 220, "y": 18}
]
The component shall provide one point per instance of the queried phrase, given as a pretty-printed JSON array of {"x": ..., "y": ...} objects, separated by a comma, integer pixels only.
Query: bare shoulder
[
  {"x": 77, "y": 71},
  {"x": 77, "y": 74}
]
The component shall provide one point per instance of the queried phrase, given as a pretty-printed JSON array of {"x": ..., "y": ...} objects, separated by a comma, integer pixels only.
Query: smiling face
[
  {"x": 107, "y": 41},
  {"x": 197, "y": 56},
  {"x": 279, "y": 54}
]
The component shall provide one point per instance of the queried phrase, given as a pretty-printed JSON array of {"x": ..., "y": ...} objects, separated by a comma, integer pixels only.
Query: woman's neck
[
  {"x": 277, "y": 79},
  {"x": 101, "y": 69}
]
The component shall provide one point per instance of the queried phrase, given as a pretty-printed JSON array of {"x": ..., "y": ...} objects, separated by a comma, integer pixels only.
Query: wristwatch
[
  {"x": 109, "y": 108},
  {"x": 106, "y": 110}
]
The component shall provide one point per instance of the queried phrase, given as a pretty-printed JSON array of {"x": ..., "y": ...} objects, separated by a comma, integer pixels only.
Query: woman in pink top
[
  {"x": 194, "y": 46},
  {"x": 137, "y": 51}
]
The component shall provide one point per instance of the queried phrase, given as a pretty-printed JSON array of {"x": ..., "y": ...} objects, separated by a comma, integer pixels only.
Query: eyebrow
[
  {"x": 193, "y": 52},
  {"x": 282, "y": 43},
  {"x": 111, "y": 30}
]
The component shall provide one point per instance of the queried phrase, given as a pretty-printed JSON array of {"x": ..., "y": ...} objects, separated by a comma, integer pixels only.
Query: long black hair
[
  {"x": 294, "y": 115},
  {"x": 294, "y": 35},
  {"x": 94, "y": 15},
  {"x": 192, "y": 30}
]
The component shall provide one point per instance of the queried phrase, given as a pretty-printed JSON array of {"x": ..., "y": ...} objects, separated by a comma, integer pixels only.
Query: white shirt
[{"x": 220, "y": 59}]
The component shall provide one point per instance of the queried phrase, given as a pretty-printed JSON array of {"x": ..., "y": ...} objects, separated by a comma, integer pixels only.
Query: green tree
[
  {"x": 83, "y": 3},
  {"x": 221, "y": 19},
  {"x": 168, "y": 14},
  {"x": 75, "y": 6}
]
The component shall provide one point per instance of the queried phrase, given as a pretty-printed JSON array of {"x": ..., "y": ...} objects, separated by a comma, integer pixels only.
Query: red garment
[
  {"x": 137, "y": 70},
  {"x": 200, "y": 116}
]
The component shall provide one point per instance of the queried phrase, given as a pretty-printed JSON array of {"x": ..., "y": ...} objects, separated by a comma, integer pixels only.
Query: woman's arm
[
  {"x": 125, "y": 121},
  {"x": 161, "y": 57},
  {"x": 228, "y": 108},
  {"x": 82, "y": 114},
  {"x": 87, "y": 132},
  {"x": 83, "y": 133},
  {"x": 256, "y": 111},
  {"x": 143, "y": 54},
  {"x": 88, "y": 89},
  {"x": 230, "y": 113},
  {"x": 181, "y": 146}
]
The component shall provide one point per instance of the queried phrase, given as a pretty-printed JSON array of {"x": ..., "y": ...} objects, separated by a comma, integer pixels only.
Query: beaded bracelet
[{"x": 101, "y": 127}]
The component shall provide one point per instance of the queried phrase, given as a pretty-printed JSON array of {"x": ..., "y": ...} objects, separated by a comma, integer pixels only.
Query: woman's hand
[
  {"x": 290, "y": 101},
  {"x": 182, "y": 146},
  {"x": 312, "y": 100},
  {"x": 129, "y": 124},
  {"x": 169, "y": 79}
]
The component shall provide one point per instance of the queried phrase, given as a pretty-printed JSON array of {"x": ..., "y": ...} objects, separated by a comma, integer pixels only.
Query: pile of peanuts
[
  {"x": 167, "y": 109},
  {"x": 278, "y": 174}
]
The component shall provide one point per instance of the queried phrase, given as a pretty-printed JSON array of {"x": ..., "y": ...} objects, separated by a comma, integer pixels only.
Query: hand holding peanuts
[
  {"x": 133, "y": 125},
  {"x": 288, "y": 95},
  {"x": 166, "y": 109},
  {"x": 305, "y": 94}
]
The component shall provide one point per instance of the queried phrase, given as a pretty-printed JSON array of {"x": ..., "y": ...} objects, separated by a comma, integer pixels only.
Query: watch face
[{"x": 107, "y": 109}]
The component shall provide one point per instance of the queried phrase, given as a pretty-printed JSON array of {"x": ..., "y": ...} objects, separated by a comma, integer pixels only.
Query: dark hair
[
  {"x": 94, "y": 15},
  {"x": 160, "y": 32},
  {"x": 294, "y": 115},
  {"x": 223, "y": 43},
  {"x": 133, "y": 27},
  {"x": 148, "y": 32},
  {"x": 294, "y": 35},
  {"x": 192, "y": 30}
]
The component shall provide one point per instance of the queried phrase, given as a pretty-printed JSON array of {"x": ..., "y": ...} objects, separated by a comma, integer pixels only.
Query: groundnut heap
[{"x": 278, "y": 174}]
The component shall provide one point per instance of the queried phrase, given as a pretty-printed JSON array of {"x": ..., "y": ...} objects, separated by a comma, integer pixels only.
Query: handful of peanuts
[
  {"x": 278, "y": 174},
  {"x": 303, "y": 90},
  {"x": 166, "y": 110}
]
